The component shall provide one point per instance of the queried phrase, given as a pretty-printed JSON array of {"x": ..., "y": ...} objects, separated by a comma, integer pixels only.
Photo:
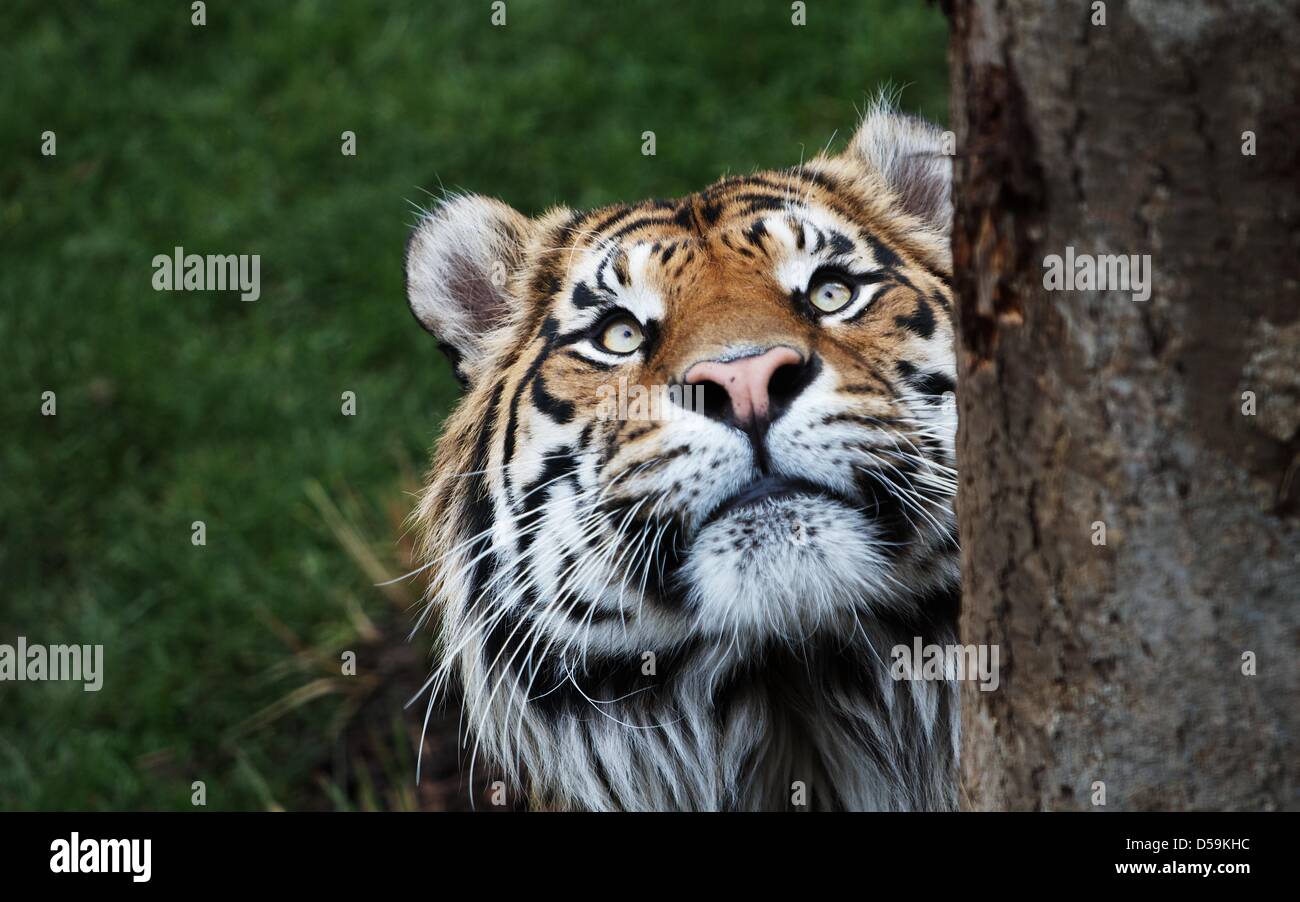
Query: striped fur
[{"x": 622, "y": 645}]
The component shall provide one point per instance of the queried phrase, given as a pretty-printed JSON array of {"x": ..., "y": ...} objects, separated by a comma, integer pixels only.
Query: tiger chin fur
[{"x": 698, "y": 612}]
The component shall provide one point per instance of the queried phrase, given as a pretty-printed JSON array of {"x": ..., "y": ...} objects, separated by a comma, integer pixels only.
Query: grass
[{"x": 177, "y": 407}]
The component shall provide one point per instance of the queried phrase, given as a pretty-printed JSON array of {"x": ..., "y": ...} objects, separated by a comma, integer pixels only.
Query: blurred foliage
[{"x": 176, "y": 407}]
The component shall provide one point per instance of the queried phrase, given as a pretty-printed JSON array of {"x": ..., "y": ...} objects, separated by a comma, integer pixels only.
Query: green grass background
[{"x": 175, "y": 407}]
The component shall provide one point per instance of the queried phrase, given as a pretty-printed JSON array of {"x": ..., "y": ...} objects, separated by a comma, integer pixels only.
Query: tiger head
[{"x": 700, "y": 480}]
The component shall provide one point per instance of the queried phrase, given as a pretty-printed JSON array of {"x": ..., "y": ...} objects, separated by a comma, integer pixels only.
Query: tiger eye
[
  {"x": 622, "y": 335},
  {"x": 830, "y": 295}
]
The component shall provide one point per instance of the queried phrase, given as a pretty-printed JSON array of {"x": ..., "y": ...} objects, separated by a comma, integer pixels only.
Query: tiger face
[{"x": 703, "y": 439}]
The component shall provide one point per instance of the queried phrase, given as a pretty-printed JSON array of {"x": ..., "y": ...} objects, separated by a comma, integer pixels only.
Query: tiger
[{"x": 701, "y": 610}]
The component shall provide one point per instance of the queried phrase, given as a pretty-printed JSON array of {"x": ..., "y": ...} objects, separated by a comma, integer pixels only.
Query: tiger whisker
[{"x": 505, "y": 606}]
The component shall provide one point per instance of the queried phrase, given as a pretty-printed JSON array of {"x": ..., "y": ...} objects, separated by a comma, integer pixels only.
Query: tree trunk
[{"x": 1087, "y": 415}]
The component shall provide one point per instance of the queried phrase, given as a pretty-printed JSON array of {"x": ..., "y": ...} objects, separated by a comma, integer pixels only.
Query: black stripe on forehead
[
  {"x": 884, "y": 255},
  {"x": 581, "y": 225},
  {"x": 755, "y": 203},
  {"x": 773, "y": 180},
  {"x": 584, "y": 297},
  {"x": 841, "y": 245},
  {"x": 621, "y": 212},
  {"x": 821, "y": 238},
  {"x": 739, "y": 182},
  {"x": 700, "y": 213},
  {"x": 820, "y": 179},
  {"x": 614, "y": 261},
  {"x": 795, "y": 224},
  {"x": 697, "y": 213},
  {"x": 619, "y": 265},
  {"x": 642, "y": 223},
  {"x": 707, "y": 206},
  {"x": 787, "y": 186},
  {"x": 838, "y": 243}
]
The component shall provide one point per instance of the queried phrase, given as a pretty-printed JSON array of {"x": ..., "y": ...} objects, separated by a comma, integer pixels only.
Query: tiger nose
[{"x": 748, "y": 383}]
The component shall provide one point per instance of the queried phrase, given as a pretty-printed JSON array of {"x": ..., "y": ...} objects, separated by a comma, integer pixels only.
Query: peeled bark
[{"x": 1123, "y": 663}]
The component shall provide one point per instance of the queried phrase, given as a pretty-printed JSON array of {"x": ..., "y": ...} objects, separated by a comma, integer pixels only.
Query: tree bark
[{"x": 1122, "y": 664}]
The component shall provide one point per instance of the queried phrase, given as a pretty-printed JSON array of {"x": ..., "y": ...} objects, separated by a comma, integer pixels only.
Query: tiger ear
[
  {"x": 909, "y": 153},
  {"x": 459, "y": 260}
]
